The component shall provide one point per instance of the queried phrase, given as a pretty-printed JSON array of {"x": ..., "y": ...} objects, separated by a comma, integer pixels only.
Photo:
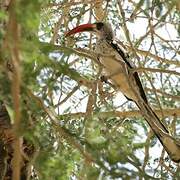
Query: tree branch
[{"x": 123, "y": 114}]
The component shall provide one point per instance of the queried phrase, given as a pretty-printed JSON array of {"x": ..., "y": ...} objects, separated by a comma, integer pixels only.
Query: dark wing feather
[{"x": 136, "y": 76}]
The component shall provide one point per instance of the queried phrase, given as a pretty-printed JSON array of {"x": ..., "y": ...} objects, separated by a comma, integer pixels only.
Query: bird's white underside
[{"x": 115, "y": 68}]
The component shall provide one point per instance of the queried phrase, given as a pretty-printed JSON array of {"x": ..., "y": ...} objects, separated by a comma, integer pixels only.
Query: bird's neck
[{"x": 105, "y": 38}]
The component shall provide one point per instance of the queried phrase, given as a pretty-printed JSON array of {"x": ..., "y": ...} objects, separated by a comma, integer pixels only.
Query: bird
[{"x": 119, "y": 69}]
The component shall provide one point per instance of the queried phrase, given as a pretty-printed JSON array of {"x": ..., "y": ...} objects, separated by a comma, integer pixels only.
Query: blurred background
[{"x": 57, "y": 119}]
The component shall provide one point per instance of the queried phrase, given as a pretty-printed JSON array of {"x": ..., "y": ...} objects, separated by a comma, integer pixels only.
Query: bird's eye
[{"x": 99, "y": 25}]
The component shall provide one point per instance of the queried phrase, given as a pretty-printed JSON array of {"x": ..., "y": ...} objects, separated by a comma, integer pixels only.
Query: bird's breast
[
  {"x": 115, "y": 68},
  {"x": 114, "y": 71}
]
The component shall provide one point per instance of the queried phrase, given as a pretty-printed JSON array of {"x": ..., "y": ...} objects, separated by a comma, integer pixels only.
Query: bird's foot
[
  {"x": 98, "y": 57},
  {"x": 104, "y": 79}
]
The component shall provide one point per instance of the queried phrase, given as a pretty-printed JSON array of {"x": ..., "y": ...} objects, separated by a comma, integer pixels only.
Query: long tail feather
[{"x": 170, "y": 144}]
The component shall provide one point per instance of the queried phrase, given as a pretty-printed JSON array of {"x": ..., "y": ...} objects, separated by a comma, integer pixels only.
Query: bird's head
[{"x": 101, "y": 29}]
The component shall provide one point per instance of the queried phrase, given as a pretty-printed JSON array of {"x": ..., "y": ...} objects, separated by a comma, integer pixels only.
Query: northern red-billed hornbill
[{"x": 118, "y": 68}]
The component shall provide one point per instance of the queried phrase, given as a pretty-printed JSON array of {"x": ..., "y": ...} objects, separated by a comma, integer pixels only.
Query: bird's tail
[
  {"x": 170, "y": 144},
  {"x": 155, "y": 121}
]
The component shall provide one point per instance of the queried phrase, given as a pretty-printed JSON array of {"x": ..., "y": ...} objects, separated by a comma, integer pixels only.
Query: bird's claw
[{"x": 104, "y": 79}]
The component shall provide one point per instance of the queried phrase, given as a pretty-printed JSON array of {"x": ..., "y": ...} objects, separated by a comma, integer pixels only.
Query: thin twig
[
  {"x": 141, "y": 69},
  {"x": 123, "y": 114}
]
